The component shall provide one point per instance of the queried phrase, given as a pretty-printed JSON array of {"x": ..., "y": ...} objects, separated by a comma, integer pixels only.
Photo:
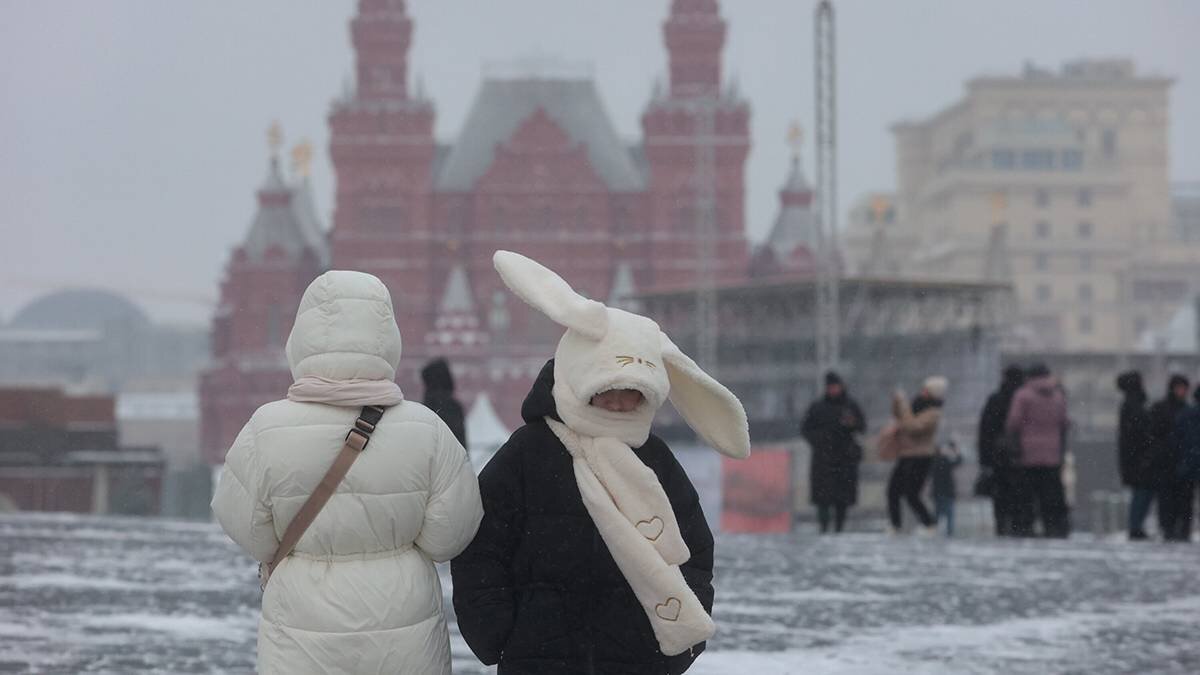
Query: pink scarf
[{"x": 348, "y": 393}]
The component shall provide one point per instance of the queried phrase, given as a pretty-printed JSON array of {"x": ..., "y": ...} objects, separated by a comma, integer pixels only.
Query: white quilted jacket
[{"x": 360, "y": 594}]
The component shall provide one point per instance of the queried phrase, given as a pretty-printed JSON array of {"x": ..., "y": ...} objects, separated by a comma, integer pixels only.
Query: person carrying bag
[
  {"x": 348, "y": 539},
  {"x": 356, "y": 441}
]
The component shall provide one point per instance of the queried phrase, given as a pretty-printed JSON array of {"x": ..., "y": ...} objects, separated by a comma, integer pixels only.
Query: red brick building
[
  {"x": 537, "y": 168},
  {"x": 61, "y": 453}
]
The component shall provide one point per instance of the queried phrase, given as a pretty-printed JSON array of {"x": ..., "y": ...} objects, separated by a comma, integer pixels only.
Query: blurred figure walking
[
  {"x": 1135, "y": 452},
  {"x": 1038, "y": 425},
  {"x": 916, "y": 426},
  {"x": 996, "y": 453},
  {"x": 829, "y": 427}
]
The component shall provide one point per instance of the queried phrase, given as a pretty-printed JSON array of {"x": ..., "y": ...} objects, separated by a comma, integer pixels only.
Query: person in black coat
[
  {"x": 1165, "y": 457},
  {"x": 995, "y": 456},
  {"x": 1187, "y": 437},
  {"x": 439, "y": 397},
  {"x": 829, "y": 428},
  {"x": 538, "y": 591},
  {"x": 1134, "y": 451}
]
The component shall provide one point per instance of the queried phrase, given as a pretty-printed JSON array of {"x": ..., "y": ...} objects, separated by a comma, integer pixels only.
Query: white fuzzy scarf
[{"x": 636, "y": 521}]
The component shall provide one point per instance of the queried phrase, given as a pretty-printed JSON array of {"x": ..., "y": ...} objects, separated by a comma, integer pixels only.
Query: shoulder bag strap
[{"x": 356, "y": 441}]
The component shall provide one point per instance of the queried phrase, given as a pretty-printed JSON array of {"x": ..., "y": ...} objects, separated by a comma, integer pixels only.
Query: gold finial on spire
[
  {"x": 795, "y": 138},
  {"x": 302, "y": 158},
  {"x": 880, "y": 205},
  {"x": 274, "y": 137}
]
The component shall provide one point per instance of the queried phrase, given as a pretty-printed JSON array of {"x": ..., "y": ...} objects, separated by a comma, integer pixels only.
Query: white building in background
[{"x": 1058, "y": 180}]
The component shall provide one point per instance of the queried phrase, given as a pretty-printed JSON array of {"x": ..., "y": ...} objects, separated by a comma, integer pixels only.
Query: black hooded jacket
[
  {"x": 1134, "y": 450},
  {"x": 829, "y": 427},
  {"x": 993, "y": 418},
  {"x": 439, "y": 397},
  {"x": 1164, "y": 452},
  {"x": 537, "y": 590}
]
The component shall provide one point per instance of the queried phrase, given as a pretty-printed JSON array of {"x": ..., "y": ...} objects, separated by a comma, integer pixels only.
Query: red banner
[{"x": 757, "y": 492}]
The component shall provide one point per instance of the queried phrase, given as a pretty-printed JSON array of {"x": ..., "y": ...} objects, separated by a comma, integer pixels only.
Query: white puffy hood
[{"x": 345, "y": 330}]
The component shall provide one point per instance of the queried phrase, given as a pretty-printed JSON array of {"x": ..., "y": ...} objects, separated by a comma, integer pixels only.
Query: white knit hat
[{"x": 936, "y": 385}]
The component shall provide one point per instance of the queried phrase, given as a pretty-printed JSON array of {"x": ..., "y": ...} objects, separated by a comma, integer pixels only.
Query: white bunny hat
[{"x": 606, "y": 348}]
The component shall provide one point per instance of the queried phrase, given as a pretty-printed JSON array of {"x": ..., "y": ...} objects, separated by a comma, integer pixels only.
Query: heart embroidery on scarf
[
  {"x": 669, "y": 610},
  {"x": 651, "y": 529}
]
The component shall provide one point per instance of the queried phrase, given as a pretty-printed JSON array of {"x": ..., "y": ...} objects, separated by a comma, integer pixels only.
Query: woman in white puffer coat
[{"x": 360, "y": 593}]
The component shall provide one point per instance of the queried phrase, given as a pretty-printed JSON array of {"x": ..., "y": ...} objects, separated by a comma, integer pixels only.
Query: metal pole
[
  {"x": 828, "y": 332},
  {"x": 704, "y": 189}
]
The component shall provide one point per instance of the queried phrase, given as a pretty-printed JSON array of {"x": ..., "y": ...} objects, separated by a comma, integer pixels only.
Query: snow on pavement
[{"x": 114, "y": 595}]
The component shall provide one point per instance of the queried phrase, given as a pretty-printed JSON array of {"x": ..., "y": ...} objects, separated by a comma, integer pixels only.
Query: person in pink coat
[{"x": 1037, "y": 424}]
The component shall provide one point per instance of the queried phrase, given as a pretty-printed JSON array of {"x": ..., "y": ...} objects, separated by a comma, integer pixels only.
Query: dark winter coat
[
  {"x": 1187, "y": 435},
  {"x": 439, "y": 397},
  {"x": 538, "y": 591},
  {"x": 1134, "y": 450},
  {"x": 1163, "y": 463},
  {"x": 992, "y": 450},
  {"x": 829, "y": 427},
  {"x": 943, "y": 475}
]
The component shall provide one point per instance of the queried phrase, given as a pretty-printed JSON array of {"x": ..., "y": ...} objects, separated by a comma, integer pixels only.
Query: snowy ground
[{"x": 123, "y": 596}]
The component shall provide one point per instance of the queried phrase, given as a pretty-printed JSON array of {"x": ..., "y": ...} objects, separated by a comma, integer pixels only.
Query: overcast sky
[{"x": 132, "y": 133}]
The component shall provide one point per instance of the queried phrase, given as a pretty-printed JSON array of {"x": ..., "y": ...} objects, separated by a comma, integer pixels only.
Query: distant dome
[{"x": 80, "y": 310}]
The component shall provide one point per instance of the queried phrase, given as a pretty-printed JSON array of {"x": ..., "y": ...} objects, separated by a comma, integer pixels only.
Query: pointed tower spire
[
  {"x": 624, "y": 289},
  {"x": 457, "y": 324},
  {"x": 795, "y": 226},
  {"x": 457, "y": 296},
  {"x": 695, "y": 36},
  {"x": 382, "y": 34}
]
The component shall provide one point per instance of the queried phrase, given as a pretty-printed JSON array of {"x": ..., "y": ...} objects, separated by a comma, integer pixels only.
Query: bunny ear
[
  {"x": 545, "y": 291},
  {"x": 706, "y": 405}
]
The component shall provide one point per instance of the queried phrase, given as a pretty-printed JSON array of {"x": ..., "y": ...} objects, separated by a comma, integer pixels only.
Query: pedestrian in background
[
  {"x": 996, "y": 454},
  {"x": 1165, "y": 459},
  {"x": 1038, "y": 425},
  {"x": 1135, "y": 452},
  {"x": 916, "y": 426},
  {"x": 1187, "y": 435},
  {"x": 439, "y": 397},
  {"x": 829, "y": 427},
  {"x": 945, "y": 492}
]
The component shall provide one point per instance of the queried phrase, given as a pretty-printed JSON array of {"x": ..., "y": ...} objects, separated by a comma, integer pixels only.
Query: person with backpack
[{"x": 348, "y": 539}]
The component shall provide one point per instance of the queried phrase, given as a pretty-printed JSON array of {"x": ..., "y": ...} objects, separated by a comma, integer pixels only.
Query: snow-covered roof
[
  {"x": 503, "y": 104},
  {"x": 623, "y": 288},
  {"x": 457, "y": 296},
  {"x": 305, "y": 208},
  {"x": 796, "y": 225},
  {"x": 484, "y": 428},
  {"x": 285, "y": 219},
  {"x": 175, "y": 405}
]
